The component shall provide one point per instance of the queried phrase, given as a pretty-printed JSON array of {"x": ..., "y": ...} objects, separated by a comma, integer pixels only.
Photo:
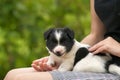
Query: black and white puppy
[{"x": 69, "y": 54}]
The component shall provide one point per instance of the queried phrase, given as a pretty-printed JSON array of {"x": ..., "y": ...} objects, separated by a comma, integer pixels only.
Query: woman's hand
[
  {"x": 108, "y": 45},
  {"x": 40, "y": 65}
]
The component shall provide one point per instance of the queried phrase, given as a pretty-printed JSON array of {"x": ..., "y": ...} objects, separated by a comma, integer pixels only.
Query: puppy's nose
[{"x": 58, "y": 53}]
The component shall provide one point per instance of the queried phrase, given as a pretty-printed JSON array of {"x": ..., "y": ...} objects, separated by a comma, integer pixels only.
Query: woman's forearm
[
  {"x": 91, "y": 39},
  {"x": 97, "y": 28}
]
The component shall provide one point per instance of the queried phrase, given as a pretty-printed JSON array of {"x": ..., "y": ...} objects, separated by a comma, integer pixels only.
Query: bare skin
[
  {"x": 40, "y": 65},
  {"x": 108, "y": 45},
  {"x": 40, "y": 68},
  {"x": 27, "y": 74}
]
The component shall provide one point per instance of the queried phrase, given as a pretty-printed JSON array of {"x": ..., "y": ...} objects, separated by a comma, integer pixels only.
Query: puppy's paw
[
  {"x": 51, "y": 63},
  {"x": 62, "y": 69}
]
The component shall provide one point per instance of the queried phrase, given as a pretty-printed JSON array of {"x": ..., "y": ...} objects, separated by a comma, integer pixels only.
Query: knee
[{"x": 11, "y": 75}]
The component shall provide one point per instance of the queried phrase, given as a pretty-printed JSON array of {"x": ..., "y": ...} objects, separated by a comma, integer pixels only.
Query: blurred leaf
[{"x": 23, "y": 22}]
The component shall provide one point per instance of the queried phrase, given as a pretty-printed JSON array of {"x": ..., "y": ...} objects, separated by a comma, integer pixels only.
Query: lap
[
  {"x": 69, "y": 75},
  {"x": 31, "y": 74}
]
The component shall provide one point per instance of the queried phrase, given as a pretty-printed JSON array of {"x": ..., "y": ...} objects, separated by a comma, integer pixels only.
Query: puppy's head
[{"x": 59, "y": 40}]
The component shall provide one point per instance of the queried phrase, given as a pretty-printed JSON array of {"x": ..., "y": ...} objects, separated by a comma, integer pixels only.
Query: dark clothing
[{"x": 109, "y": 13}]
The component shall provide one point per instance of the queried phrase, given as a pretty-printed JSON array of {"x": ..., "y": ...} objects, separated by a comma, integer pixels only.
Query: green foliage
[{"x": 23, "y": 22}]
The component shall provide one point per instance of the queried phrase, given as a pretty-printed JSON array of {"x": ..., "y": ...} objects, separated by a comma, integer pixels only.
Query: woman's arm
[{"x": 97, "y": 28}]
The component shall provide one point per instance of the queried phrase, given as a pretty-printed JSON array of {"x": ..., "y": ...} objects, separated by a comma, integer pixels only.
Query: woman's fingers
[
  {"x": 36, "y": 67},
  {"x": 45, "y": 67},
  {"x": 41, "y": 64},
  {"x": 100, "y": 50},
  {"x": 102, "y": 46},
  {"x": 40, "y": 60},
  {"x": 95, "y": 48}
]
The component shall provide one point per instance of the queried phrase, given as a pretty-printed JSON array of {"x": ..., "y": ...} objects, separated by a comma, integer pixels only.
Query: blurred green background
[{"x": 23, "y": 22}]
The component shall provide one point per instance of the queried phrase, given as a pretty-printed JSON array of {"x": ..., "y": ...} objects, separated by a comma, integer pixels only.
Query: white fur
[
  {"x": 59, "y": 48},
  {"x": 58, "y": 35},
  {"x": 92, "y": 63},
  {"x": 114, "y": 69}
]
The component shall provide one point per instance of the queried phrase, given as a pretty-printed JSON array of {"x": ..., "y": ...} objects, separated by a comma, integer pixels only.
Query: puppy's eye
[
  {"x": 54, "y": 41},
  {"x": 62, "y": 40}
]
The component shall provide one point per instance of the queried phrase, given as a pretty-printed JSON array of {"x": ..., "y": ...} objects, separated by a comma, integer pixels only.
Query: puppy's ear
[
  {"x": 47, "y": 33},
  {"x": 69, "y": 32}
]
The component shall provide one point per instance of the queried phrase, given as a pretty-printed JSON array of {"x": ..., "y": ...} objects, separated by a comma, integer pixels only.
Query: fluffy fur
[{"x": 69, "y": 54}]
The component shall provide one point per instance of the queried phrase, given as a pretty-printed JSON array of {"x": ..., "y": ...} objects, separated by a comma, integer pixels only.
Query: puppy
[{"x": 69, "y": 54}]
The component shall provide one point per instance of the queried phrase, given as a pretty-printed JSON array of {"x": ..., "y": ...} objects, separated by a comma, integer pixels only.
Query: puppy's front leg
[
  {"x": 66, "y": 66},
  {"x": 51, "y": 61}
]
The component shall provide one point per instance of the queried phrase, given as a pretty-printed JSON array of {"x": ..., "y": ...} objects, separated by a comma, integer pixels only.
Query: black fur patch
[
  {"x": 101, "y": 54},
  {"x": 81, "y": 53},
  {"x": 115, "y": 60}
]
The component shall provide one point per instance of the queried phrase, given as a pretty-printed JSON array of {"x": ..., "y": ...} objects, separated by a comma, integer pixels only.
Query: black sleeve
[{"x": 109, "y": 13}]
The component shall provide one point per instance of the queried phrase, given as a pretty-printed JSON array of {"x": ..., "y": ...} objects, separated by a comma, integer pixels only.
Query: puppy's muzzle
[
  {"x": 59, "y": 50},
  {"x": 58, "y": 53}
]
